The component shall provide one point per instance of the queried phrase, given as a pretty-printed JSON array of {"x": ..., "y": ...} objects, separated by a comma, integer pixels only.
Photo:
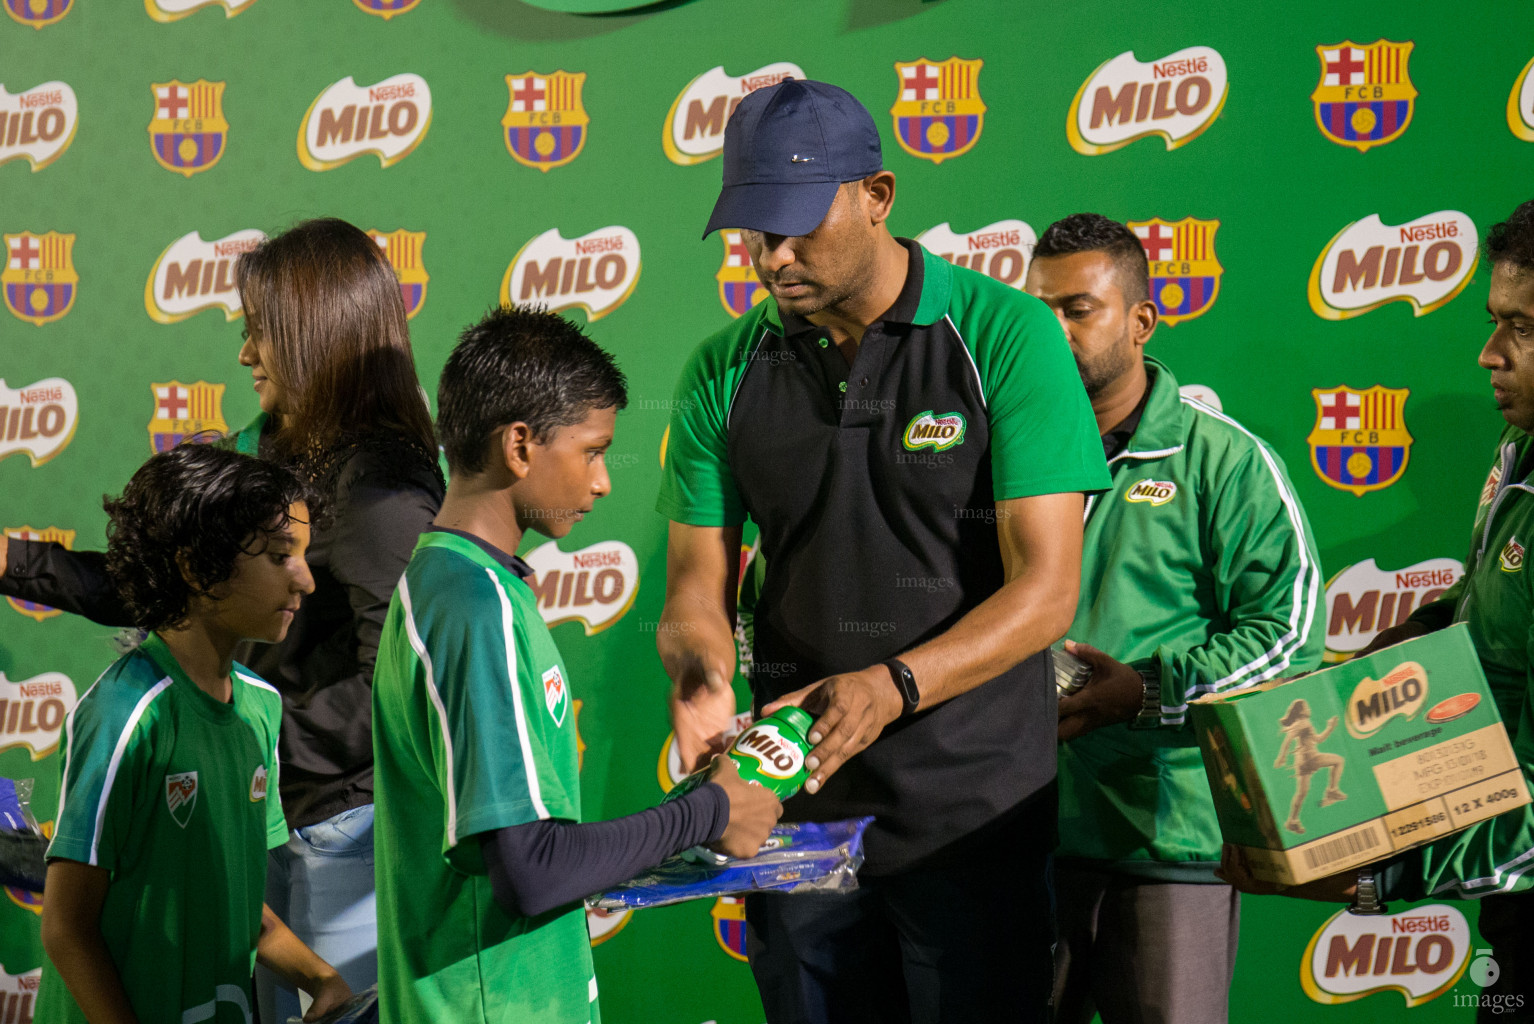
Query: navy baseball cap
[{"x": 787, "y": 149}]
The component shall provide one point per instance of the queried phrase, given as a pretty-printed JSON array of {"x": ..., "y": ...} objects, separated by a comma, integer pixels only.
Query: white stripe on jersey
[
  {"x": 436, "y": 700},
  {"x": 117, "y": 758},
  {"x": 529, "y": 766},
  {"x": 253, "y": 681},
  {"x": 1307, "y": 585}
]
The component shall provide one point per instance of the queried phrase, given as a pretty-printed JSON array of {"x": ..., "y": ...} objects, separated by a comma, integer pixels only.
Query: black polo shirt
[{"x": 875, "y": 487}]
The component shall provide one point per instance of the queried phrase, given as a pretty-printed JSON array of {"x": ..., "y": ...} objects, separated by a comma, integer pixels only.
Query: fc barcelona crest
[
  {"x": 181, "y": 796},
  {"x": 386, "y": 9},
  {"x": 184, "y": 411},
  {"x": 545, "y": 122},
  {"x": 39, "y": 276},
  {"x": 739, "y": 287},
  {"x": 729, "y": 916},
  {"x": 38, "y": 13},
  {"x": 65, "y": 538},
  {"x": 403, "y": 248},
  {"x": 938, "y": 113},
  {"x": 188, "y": 131},
  {"x": 1360, "y": 442},
  {"x": 1184, "y": 273},
  {"x": 1365, "y": 97}
]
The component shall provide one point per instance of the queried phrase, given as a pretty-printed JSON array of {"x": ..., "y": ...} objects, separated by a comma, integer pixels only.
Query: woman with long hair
[{"x": 341, "y": 405}]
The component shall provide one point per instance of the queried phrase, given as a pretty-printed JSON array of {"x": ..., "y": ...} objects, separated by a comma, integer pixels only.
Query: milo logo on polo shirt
[
  {"x": 939, "y": 433},
  {"x": 258, "y": 784}
]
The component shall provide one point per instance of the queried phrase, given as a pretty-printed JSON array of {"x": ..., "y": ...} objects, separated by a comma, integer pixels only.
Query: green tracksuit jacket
[
  {"x": 1496, "y": 598},
  {"x": 1199, "y": 560}
]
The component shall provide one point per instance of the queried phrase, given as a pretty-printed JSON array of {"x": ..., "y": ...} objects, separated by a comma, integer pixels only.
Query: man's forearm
[
  {"x": 1018, "y": 621},
  {"x": 694, "y": 632}
]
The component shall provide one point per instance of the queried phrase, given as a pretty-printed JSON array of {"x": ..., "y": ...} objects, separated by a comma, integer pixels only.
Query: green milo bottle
[{"x": 771, "y": 753}]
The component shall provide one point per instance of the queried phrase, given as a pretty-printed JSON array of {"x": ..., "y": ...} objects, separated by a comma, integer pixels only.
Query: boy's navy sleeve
[{"x": 546, "y": 864}]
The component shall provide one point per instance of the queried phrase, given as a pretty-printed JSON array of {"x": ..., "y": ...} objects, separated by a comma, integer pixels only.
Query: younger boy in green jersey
[
  {"x": 153, "y": 905},
  {"x": 482, "y": 856}
]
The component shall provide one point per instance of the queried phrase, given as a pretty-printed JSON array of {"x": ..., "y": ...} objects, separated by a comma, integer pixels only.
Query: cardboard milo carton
[{"x": 1352, "y": 763}]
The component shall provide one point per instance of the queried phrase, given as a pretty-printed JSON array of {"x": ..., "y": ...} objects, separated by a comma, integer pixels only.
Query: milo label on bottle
[{"x": 772, "y": 753}]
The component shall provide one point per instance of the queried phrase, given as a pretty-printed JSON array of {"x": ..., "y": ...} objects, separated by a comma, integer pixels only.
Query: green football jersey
[
  {"x": 473, "y": 730},
  {"x": 175, "y": 794}
]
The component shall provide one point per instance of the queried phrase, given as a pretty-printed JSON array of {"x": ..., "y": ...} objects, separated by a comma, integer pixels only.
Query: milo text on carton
[{"x": 1352, "y": 763}]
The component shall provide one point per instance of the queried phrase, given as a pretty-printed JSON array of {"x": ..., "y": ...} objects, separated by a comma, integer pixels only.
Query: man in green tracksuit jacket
[
  {"x": 1199, "y": 575},
  {"x": 1493, "y": 860}
]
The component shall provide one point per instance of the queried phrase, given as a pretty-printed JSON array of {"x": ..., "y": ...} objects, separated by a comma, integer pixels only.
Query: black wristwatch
[
  {"x": 905, "y": 682},
  {"x": 1366, "y": 897}
]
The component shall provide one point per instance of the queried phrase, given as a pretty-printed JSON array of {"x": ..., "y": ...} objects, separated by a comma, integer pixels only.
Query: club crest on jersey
[
  {"x": 181, "y": 796},
  {"x": 54, "y": 535},
  {"x": 1360, "y": 442},
  {"x": 1151, "y": 492},
  {"x": 729, "y": 916},
  {"x": 403, "y": 248},
  {"x": 1421, "y": 953},
  {"x": 1520, "y": 104},
  {"x": 1511, "y": 557},
  {"x": 939, "y": 433},
  {"x": 175, "y": 10},
  {"x": 545, "y": 121},
  {"x": 594, "y": 586},
  {"x": 38, "y": 13},
  {"x": 386, "y": 9},
  {"x": 1365, "y": 97},
  {"x": 183, "y": 411},
  {"x": 1184, "y": 272},
  {"x": 739, "y": 287},
  {"x": 1177, "y": 98},
  {"x": 1001, "y": 250},
  {"x": 1425, "y": 262},
  {"x": 39, "y": 420},
  {"x": 39, "y": 276},
  {"x": 938, "y": 112},
  {"x": 37, "y": 124},
  {"x": 192, "y": 275},
  {"x": 602, "y": 925},
  {"x": 188, "y": 132},
  {"x": 694, "y": 128},
  {"x": 347, "y": 120},
  {"x": 595, "y": 272},
  {"x": 556, "y": 696},
  {"x": 32, "y": 712}
]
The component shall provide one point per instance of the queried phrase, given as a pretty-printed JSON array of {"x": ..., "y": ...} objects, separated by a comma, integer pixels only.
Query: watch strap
[
  {"x": 1149, "y": 716},
  {"x": 905, "y": 682}
]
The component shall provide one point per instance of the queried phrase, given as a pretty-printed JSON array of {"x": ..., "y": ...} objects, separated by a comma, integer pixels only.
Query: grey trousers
[{"x": 1142, "y": 952}]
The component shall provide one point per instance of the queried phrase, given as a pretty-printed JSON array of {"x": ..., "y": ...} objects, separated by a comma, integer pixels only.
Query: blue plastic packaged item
[
  {"x": 22, "y": 843},
  {"x": 361, "y": 1008},
  {"x": 797, "y": 857}
]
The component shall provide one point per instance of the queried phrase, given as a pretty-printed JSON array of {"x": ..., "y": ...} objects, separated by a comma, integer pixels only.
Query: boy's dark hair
[
  {"x": 1092, "y": 232},
  {"x": 1512, "y": 241},
  {"x": 191, "y": 510},
  {"x": 520, "y": 363}
]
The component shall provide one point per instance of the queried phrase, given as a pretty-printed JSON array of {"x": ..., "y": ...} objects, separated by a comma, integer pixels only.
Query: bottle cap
[{"x": 799, "y": 718}]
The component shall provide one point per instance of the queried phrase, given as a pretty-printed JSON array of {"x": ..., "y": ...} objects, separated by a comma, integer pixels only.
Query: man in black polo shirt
[{"x": 913, "y": 441}]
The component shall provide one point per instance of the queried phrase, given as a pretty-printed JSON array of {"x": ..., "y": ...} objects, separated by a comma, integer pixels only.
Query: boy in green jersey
[
  {"x": 482, "y": 855},
  {"x": 157, "y": 867}
]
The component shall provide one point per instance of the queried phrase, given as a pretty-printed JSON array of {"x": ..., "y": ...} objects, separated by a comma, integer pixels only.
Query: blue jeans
[{"x": 321, "y": 884}]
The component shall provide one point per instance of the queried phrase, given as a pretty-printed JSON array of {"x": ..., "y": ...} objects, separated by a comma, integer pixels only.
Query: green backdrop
[{"x": 140, "y": 183}]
